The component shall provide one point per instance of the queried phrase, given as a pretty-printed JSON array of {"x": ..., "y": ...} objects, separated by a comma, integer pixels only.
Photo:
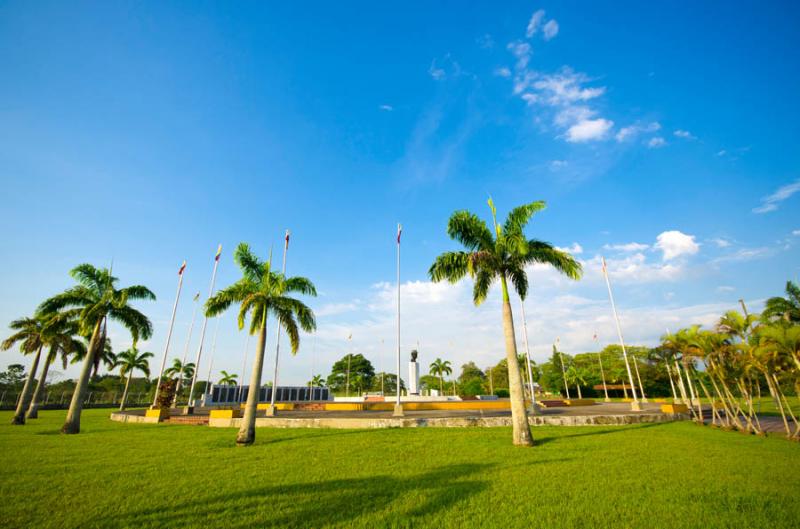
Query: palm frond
[
  {"x": 471, "y": 231},
  {"x": 452, "y": 266}
]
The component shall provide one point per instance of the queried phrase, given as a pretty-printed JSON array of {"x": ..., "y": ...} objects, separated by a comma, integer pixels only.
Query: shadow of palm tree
[
  {"x": 314, "y": 504},
  {"x": 592, "y": 433}
]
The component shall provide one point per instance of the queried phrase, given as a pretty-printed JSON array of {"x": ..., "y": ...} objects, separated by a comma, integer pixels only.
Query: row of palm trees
[{"x": 743, "y": 355}]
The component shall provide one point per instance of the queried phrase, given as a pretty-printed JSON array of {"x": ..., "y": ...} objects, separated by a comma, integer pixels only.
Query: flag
[
  {"x": 219, "y": 252},
  {"x": 399, "y": 232},
  {"x": 350, "y": 337},
  {"x": 605, "y": 270},
  {"x": 183, "y": 267},
  {"x": 595, "y": 336},
  {"x": 196, "y": 296},
  {"x": 287, "y": 238}
]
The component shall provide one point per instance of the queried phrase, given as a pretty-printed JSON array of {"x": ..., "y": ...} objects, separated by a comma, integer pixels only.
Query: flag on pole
[
  {"x": 605, "y": 269},
  {"x": 350, "y": 336},
  {"x": 219, "y": 252},
  {"x": 196, "y": 297},
  {"x": 595, "y": 336},
  {"x": 287, "y": 238},
  {"x": 183, "y": 267},
  {"x": 399, "y": 232}
]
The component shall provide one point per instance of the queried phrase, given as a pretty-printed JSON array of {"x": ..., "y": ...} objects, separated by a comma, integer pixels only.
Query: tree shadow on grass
[
  {"x": 612, "y": 429},
  {"x": 313, "y": 504}
]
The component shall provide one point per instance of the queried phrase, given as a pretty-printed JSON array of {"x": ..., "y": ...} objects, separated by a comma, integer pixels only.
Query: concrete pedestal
[
  {"x": 635, "y": 406},
  {"x": 413, "y": 378},
  {"x": 398, "y": 411},
  {"x": 271, "y": 411},
  {"x": 187, "y": 410}
]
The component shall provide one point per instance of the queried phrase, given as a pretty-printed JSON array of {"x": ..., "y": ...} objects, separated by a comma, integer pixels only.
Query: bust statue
[{"x": 414, "y": 355}]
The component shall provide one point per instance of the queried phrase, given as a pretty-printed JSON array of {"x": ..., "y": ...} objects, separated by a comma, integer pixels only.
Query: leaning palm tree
[
  {"x": 30, "y": 336},
  {"x": 128, "y": 362},
  {"x": 94, "y": 301},
  {"x": 61, "y": 337},
  {"x": 262, "y": 292},
  {"x": 440, "y": 368},
  {"x": 227, "y": 379},
  {"x": 787, "y": 308},
  {"x": 501, "y": 255}
]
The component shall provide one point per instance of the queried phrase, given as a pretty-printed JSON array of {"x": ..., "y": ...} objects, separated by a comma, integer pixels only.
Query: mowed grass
[{"x": 665, "y": 475}]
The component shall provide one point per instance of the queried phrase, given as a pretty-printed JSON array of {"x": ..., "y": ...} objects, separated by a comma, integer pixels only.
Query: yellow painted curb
[
  {"x": 225, "y": 414},
  {"x": 579, "y": 402},
  {"x": 674, "y": 408},
  {"x": 160, "y": 414}
]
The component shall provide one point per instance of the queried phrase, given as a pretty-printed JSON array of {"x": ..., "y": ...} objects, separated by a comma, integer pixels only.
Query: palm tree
[
  {"x": 227, "y": 379},
  {"x": 60, "y": 336},
  {"x": 502, "y": 256},
  {"x": 94, "y": 301},
  {"x": 317, "y": 381},
  {"x": 30, "y": 335},
  {"x": 261, "y": 292},
  {"x": 128, "y": 362},
  {"x": 105, "y": 356},
  {"x": 787, "y": 308},
  {"x": 182, "y": 372},
  {"x": 439, "y": 368},
  {"x": 577, "y": 376}
]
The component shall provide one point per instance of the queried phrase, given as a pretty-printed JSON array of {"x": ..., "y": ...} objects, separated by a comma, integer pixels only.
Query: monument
[{"x": 413, "y": 374}]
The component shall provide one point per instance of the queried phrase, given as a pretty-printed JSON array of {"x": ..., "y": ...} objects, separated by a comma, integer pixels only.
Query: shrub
[{"x": 502, "y": 393}]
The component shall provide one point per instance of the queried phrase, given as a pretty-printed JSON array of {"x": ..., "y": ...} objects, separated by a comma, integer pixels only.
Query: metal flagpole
[
  {"x": 169, "y": 333},
  {"x": 190, "y": 404},
  {"x": 398, "y": 406},
  {"x": 602, "y": 373},
  {"x": 349, "y": 357},
  {"x": 271, "y": 409},
  {"x": 528, "y": 356},
  {"x": 186, "y": 350},
  {"x": 635, "y": 404},
  {"x": 563, "y": 367},
  {"x": 641, "y": 387},
  {"x": 209, "y": 385}
]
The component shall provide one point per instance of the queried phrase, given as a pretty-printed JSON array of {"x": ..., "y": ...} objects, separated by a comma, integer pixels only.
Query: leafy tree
[
  {"x": 440, "y": 368},
  {"x": 30, "y": 335},
  {"x": 13, "y": 375},
  {"x": 787, "y": 308},
  {"x": 128, "y": 362},
  {"x": 260, "y": 293},
  {"x": 469, "y": 372},
  {"x": 358, "y": 367},
  {"x": 501, "y": 256},
  {"x": 94, "y": 301},
  {"x": 227, "y": 379}
]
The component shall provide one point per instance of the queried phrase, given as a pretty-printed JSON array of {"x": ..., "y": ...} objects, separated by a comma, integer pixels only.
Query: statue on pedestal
[{"x": 413, "y": 374}]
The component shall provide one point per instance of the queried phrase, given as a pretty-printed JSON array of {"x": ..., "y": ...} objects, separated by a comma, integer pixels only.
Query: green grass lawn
[{"x": 665, "y": 475}]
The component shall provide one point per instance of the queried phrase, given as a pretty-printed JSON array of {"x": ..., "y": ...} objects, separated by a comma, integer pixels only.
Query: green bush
[{"x": 502, "y": 393}]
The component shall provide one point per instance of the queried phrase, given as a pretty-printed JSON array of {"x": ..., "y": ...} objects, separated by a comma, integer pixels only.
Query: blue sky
[{"x": 662, "y": 136}]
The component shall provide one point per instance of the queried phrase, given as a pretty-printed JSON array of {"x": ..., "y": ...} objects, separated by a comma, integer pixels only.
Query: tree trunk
[
  {"x": 624, "y": 389},
  {"x": 441, "y": 386},
  {"x": 24, "y": 398},
  {"x": 33, "y": 409},
  {"x": 580, "y": 396},
  {"x": 72, "y": 424},
  {"x": 519, "y": 416},
  {"x": 125, "y": 393},
  {"x": 247, "y": 431}
]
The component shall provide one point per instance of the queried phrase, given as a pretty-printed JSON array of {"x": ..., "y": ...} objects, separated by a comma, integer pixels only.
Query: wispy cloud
[
  {"x": 674, "y": 243},
  {"x": 721, "y": 242},
  {"x": 386, "y": 108},
  {"x": 657, "y": 142},
  {"x": 502, "y": 71},
  {"x": 772, "y": 202},
  {"x": 534, "y": 23},
  {"x": 589, "y": 130},
  {"x": 627, "y": 247},
  {"x": 685, "y": 134},
  {"x": 550, "y": 29},
  {"x": 632, "y": 131}
]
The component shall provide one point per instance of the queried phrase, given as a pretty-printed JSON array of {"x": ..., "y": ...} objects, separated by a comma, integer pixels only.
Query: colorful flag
[
  {"x": 183, "y": 267},
  {"x": 287, "y": 238},
  {"x": 219, "y": 252},
  {"x": 399, "y": 232}
]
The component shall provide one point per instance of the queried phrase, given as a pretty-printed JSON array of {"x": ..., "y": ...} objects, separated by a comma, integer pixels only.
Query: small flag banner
[
  {"x": 399, "y": 232},
  {"x": 287, "y": 238},
  {"x": 183, "y": 267},
  {"x": 219, "y": 252},
  {"x": 605, "y": 270}
]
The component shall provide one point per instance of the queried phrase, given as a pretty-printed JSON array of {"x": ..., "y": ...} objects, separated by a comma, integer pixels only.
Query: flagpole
[
  {"x": 563, "y": 367},
  {"x": 190, "y": 404},
  {"x": 602, "y": 373},
  {"x": 635, "y": 404},
  {"x": 349, "y": 357},
  {"x": 528, "y": 356},
  {"x": 169, "y": 334},
  {"x": 186, "y": 350},
  {"x": 211, "y": 358},
  {"x": 271, "y": 409},
  {"x": 398, "y": 406}
]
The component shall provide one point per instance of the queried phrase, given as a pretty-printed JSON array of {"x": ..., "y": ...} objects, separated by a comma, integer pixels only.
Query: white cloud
[
  {"x": 556, "y": 165},
  {"x": 437, "y": 73},
  {"x": 772, "y": 202},
  {"x": 386, "y": 108},
  {"x": 745, "y": 254},
  {"x": 550, "y": 30},
  {"x": 685, "y": 134},
  {"x": 674, "y": 243},
  {"x": 534, "y": 23},
  {"x": 502, "y": 71},
  {"x": 333, "y": 309},
  {"x": 566, "y": 87},
  {"x": 631, "y": 131},
  {"x": 589, "y": 130},
  {"x": 575, "y": 249},
  {"x": 656, "y": 142},
  {"x": 485, "y": 41},
  {"x": 627, "y": 247},
  {"x": 522, "y": 51},
  {"x": 796, "y": 233},
  {"x": 723, "y": 152},
  {"x": 721, "y": 242},
  {"x": 725, "y": 288}
]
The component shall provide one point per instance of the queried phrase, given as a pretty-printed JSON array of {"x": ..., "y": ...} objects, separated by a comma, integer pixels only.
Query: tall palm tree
[
  {"x": 317, "y": 381},
  {"x": 260, "y": 293},
  {"x": 501, "y": 256},
  {"x": 95, "y": 300},
  {"x": 60, "y": 337},
  {"x": 787, "y": 308},
  {"x": 227, "y": 379},
  {"x": 105, "y": 356},
  {"x": 128, "y": 362},
  {"x": 439, "y": 368},
  {"x": 182, "y": 372},
  {"x": 577, "y": 376},
  {"x": 30, "y": 336}
]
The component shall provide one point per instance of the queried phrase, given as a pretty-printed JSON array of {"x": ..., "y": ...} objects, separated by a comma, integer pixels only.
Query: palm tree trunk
[
  {"x": 519, "y": 416},
  {"x": 72, "y": 424},
  {"x": 441, "y": 385},
  {"x": 33, "y": 409},
  {"x": 125, "y": 393},
  {"x": 579, "y": 391},
  {"x": 247, "y": 431},
  {"x": 19, "y": 415}
]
